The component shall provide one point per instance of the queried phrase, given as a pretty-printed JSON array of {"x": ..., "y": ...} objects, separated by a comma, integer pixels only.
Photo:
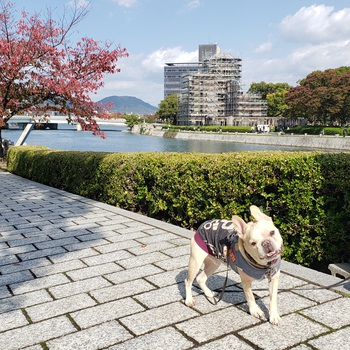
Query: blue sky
[{"x": 277, "y": 40}]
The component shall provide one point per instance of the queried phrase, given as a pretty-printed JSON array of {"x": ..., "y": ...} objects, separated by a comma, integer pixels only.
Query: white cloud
[
  {"x": 297, "y": 64},
  {"x": 155, "y": 61},
  {"x": 316, "y": 24},
  {"x": 126, "y": 3},
  {"x": 193, "y": 4},
  {"x": 264, "y": 47}
]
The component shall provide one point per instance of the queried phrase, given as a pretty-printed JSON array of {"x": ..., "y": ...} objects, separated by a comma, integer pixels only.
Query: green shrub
[
  {"x": 316, "y": 130},
  {"x": 306, "y": 193},
  {"x": 208, "y": 128}
]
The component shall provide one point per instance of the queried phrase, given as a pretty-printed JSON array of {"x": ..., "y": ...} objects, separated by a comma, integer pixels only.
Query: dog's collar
[{"x": 269, "y": 265}]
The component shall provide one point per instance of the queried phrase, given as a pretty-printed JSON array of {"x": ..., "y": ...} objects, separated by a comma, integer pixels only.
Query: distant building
[
  {"x": 174, "y": 73},
  {"x": 210, "y": 90}
]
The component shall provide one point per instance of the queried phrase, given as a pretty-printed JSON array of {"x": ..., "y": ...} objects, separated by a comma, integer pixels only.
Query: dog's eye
[
  {"x": 253, "y": 243},
  {"x": 272, "y": 233}
]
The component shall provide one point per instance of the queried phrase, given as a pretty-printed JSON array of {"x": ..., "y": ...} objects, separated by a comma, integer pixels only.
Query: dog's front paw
[
  {"x": 189, "y": 302},
  {"x": 275, "y": 319},
  {"x": 255, "y": 311}
]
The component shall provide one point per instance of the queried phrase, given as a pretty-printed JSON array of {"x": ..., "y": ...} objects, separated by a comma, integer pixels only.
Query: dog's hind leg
[
  {"x": 211, "y": 264},
  {"x": 197, "y": 257}
]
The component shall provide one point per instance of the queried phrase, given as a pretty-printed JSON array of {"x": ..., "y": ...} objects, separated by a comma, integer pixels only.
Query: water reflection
[{"x": 118, "y": 141}]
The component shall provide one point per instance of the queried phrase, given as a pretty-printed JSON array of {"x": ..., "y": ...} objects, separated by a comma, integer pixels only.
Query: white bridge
[{"x": 23, "y": 119}]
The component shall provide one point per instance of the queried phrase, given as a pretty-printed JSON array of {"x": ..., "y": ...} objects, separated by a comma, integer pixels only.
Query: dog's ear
[
  {"x": 240, "y": 225},
  {"x": 258, "y": 214}
]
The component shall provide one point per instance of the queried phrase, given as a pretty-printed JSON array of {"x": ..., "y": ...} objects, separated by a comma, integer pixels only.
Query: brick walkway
[{"x": 79, "y": 274}]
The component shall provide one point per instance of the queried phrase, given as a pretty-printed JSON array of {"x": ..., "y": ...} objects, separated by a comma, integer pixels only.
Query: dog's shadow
[{"x": 233, "y": 294}]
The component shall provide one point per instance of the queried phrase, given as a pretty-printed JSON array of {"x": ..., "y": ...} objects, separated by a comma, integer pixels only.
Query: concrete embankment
[{"x": 307, "y": 141}]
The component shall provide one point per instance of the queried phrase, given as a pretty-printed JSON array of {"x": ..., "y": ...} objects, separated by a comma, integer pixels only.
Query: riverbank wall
[{"x": 307, "y": 141}]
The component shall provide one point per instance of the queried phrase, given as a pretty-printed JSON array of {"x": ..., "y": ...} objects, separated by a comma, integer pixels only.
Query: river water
[{"x": 118, "y": 140}]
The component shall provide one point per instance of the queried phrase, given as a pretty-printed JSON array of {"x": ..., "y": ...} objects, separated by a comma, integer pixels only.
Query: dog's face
[{"x": 261, "y": 239}]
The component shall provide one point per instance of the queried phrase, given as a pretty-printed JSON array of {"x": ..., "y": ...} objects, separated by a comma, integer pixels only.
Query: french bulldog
[{"x": 251, "y": 249}]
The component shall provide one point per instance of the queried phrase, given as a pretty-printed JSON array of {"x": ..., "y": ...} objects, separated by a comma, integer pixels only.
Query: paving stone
[
  {"x": 150, "y": 248},
  {"x": 41, "y": 253},
  {"x": 4, "y": 292},
  {"x": 145, "y": 271},
  {"x": 143, "y": 259},
  {"x": 34, "y": 347},
  {"x": 301, "y": 347},
  {"x": 180, "y": 241},
  {"x": 294, "y": 330},
  {"x": 15, "y": 277},
  {"x": 315, "y": 293},
  {"x": 17, "y": 250},
  {"x": 167, "y": 338},
  {"x": 38, "y": 283},
  {"x": 289, "y": 302},
  {"x": 59, "y": 307},
  {"x": 337, "y": 340},
  {"x": 93, "y": 271},
  {"x": 228, "y": 342},
  {"x": 202, "y": 329},
  {"x": 160, "y": 317},
  {"x": 85, "y": 245},
  {"x": 178, "y": 251},
  {"x": 12, "y": 319},
  {"x": 24, "y": 300},
  {"x": 121, "y": 290},
  {"x": 108, "y": 257},
  {"x": 35, "y": 333},
  {"x": 155, "y": 231},
  {"x": 25, "y": 241},
  {"x": 158, "y": 238},
  {"x": 139, "y": 225},
  {"x": 134, "y": 236},
  {"x": 78, "y": 254},
  {"x": 56, "y": 243},
  {"x": 92, "y": 338},
  {"x": 58, "y": 268},
  {"x": 114, "y": 247},
  {"x": 332, "y": 313},
  {"x": 232, "y": 296},
  {"x": 290, "y": 282},
  {"x": 167, "y": 278},
  {"x": 173, "y": 263},
  {"x": 25, "y": 265},
  {"x": 82, "y": 286},
  {"x": 8, "y": 259},
  {"x": 106, "y": 312},
  {"x": 162, "y": 296}
]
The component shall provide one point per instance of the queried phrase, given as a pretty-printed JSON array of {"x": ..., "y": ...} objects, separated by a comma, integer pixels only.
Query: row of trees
[
  {"x": 42, "y": 71},
  {"x": 323, "y": 97}
]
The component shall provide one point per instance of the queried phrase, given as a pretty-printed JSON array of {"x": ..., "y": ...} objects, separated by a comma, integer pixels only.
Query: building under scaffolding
[{"x": 210, "y": 90}]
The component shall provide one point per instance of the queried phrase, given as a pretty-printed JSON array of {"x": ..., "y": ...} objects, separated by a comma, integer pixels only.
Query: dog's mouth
[{"x": 273, "y": 255}]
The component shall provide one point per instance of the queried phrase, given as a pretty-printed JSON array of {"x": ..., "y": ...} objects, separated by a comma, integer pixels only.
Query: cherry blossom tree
[{"x": 41, "y": 71}]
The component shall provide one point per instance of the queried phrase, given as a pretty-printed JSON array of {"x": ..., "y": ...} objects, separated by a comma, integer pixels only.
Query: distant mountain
[{"x": 128, "y": 105}]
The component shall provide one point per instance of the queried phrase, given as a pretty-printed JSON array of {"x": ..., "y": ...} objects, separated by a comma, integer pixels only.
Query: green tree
[
  {"x": 274, "y": 94},
  {"x": 322, "y": 97},
  {"x": 168, "y": 108},
  {"x": 132, "y": 120}
]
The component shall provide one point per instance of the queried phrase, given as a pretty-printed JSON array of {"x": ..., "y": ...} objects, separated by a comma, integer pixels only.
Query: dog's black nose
[{"x": 266, "y": 244}]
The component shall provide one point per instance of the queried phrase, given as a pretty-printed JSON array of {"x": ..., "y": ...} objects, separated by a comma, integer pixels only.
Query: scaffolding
[{"x": 207, "y": 96}]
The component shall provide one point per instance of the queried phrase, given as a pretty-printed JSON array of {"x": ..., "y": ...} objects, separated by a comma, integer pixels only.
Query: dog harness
[{"x": 213, "y": 235}]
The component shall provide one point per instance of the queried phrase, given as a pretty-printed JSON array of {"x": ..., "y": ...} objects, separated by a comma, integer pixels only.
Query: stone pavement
[{"x": 79, "y": 274}]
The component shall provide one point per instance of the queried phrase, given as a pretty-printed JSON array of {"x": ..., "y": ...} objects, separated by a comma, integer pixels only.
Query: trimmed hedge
[
  {"x": 317, "y": 130},
  {"x": 209, "y": 128},
  {"x": 306, "y": 193}
]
